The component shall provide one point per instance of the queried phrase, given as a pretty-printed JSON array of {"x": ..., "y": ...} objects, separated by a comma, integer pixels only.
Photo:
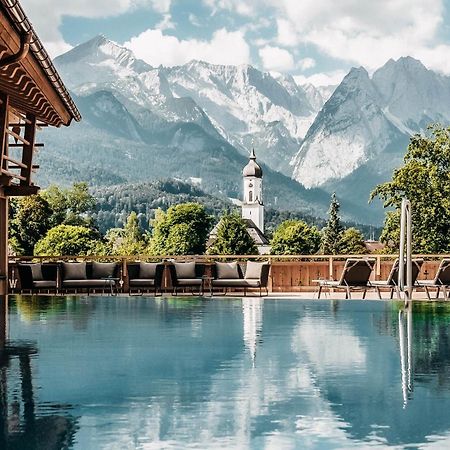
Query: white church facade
[{"x": 252, "y": 205}]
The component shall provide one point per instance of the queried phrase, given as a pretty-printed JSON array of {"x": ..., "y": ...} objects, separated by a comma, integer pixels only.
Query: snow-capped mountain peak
[{"x": 99, "y": 60}]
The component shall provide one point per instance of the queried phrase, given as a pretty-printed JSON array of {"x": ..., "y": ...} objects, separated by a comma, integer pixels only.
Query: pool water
[{"x": 151, "y": 373}]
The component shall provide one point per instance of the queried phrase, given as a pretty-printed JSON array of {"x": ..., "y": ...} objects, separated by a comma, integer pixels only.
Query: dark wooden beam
[
  {"x": 15, "y": 190},
  {"x": 28, "y": 149},
  {"x": 4, "y": 108},
  {"x": 3, "y": 246}
]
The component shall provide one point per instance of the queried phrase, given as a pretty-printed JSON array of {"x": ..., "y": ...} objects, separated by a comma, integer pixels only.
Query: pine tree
[{"x": 332, "y": 233}]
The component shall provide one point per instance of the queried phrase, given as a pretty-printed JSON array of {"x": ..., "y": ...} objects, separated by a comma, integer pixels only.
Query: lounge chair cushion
[
  {"x": 142, "y": 282},
  {"x": 227, "y": 270},
  {"x": 103, "y": 270},
  {"x": 253, "y": 270},
  {"x": 189, "y": 281},
  {"x": 74, "y": 271},
  {"x": 44, "y": 284},
  {"x": 185, "y": 270},
  {"x": 233, "y": 282},
  {"x": 36, "y": 271},
  {"x": 88, "y": 283},
  {"x": 147, "y": 270}
]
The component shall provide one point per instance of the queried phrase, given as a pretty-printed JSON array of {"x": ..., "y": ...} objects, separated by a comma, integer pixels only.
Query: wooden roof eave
[{"x": 16, "y": 78}]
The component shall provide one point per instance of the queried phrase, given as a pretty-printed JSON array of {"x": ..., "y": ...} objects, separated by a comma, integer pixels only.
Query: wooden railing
[{"x": 289, "y": 273}]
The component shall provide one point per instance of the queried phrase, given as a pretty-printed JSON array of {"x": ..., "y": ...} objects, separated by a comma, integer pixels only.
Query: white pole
[
  {"x": 401, "y": 257},
  {"x": 409, "y": 287},
  {"x": 405, "y": 238}
]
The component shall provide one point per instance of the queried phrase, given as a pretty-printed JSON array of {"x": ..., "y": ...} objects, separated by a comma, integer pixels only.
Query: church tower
[{"x": 252, "y": 206}]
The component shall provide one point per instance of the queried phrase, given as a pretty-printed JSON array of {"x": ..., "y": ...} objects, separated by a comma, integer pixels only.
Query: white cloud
[
  {"x": 161, "y": 6},
  {"x": 362, "y": 32},
  {"x": 322, "y": 79},
  {"x": 276, "y": 58},
  {"x": 166, "y": 23},
  {"x": 225, "y": 47},
  {"x": 46, "y": 15},
  {"x": 244, "y": 8},
  {"x": 366, "y": 33},
  {"x": 287, "y": 34},
  {"x": 193, "y": 19},
  {"x": 306, "y": 63}
]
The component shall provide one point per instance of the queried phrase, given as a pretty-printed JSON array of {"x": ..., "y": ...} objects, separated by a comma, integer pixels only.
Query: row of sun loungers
[
  {"x": 356, "y": 277},
  {"x": 144, "y": 277}
]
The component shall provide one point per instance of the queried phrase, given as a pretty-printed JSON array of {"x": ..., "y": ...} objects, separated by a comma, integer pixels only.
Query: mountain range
[{"x": 197, "y": 122}]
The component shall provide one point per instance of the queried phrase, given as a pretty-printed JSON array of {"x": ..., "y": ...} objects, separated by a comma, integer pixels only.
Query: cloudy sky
[{"x": 314, "y": 40}]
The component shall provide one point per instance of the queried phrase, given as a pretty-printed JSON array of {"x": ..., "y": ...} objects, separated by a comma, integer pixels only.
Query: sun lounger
[
  {"x": 440, "y": 281},
  {"x": 355, "y": 276},
  {"x": 392, "y": 280}
]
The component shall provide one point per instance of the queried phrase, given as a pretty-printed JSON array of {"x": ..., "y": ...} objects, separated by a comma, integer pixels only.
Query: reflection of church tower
[
  {"x": 252, "y": 206},
  {"x": 252, "y": 309}
]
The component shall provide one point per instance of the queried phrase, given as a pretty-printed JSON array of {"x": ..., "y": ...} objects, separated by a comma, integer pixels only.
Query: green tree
[
  {"x": 70, "y": 206},
  {"x": 424, "y": 179},
  {"x": 129, "y": 240},
  {"x": 332, "y": 232},
  {"x": 232, "y": 237},
  {"x": 352, "y": 242},
  {"x": 70, "y": 240},
  {"x": 30, "y": 220},
  {"x": 183, "y": 229},
  {"x": 295, "y": 237}
]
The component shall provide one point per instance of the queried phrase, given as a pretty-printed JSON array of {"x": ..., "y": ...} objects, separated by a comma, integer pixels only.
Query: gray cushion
[
  {"x": 103, "y": 270},
  {"x": 189, "y": 281},
  {"x": 147, "y": 270},
  {"x": 36, "y": 272},
  {"x": 142, "y": 282},
  {"x": 235, "y": 283},
  {"x": 44, "y": 284},
  {"x": 74, "y": 271},
  {"x": 227, "y": 270},
  {"x": 185, "y": 270},
  {"x": 88, "y": 283},
  {"x": 253, "y": 270}
]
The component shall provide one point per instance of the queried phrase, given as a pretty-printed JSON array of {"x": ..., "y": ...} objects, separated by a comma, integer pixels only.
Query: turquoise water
[{"x": 125, "y": 373}]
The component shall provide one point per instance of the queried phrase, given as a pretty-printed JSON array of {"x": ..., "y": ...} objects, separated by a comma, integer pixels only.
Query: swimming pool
[{"x": 140, "y": 372}]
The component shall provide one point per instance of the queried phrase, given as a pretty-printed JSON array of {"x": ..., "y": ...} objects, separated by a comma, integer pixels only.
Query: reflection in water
[
  {"x": 164, "y": 373},
  {"x": 21, "y": 427},
  {"x": 405, "y": 332},
  {"x": 252, "y": 309}
]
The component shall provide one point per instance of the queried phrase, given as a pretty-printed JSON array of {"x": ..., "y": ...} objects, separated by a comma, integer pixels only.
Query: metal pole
[
  {"x": 401, "y": 257},
  {"x": 405, "y": 238},
  {"x": 409, "y": 287}
]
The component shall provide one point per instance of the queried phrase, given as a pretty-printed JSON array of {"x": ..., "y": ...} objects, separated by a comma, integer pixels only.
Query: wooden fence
[{"x": 289, "y": 273}]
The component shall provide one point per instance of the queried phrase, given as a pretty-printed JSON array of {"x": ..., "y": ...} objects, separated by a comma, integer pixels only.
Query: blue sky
[{"x": 314, "y": 40}]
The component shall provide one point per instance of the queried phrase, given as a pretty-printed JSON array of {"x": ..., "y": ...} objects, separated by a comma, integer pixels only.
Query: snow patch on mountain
[
  {"x": 365, "y": 119},
  {"x": 240, "y": 103},
  {"x": 350, "y": 130}
]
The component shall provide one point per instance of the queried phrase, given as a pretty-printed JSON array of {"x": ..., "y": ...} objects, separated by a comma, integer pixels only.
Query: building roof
[
  {"x": 252, "y": 169},
  {"x": 27, "y": 73},
  {"x": 374, "y": 246},
  {"x": 257, "y": 235}
]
